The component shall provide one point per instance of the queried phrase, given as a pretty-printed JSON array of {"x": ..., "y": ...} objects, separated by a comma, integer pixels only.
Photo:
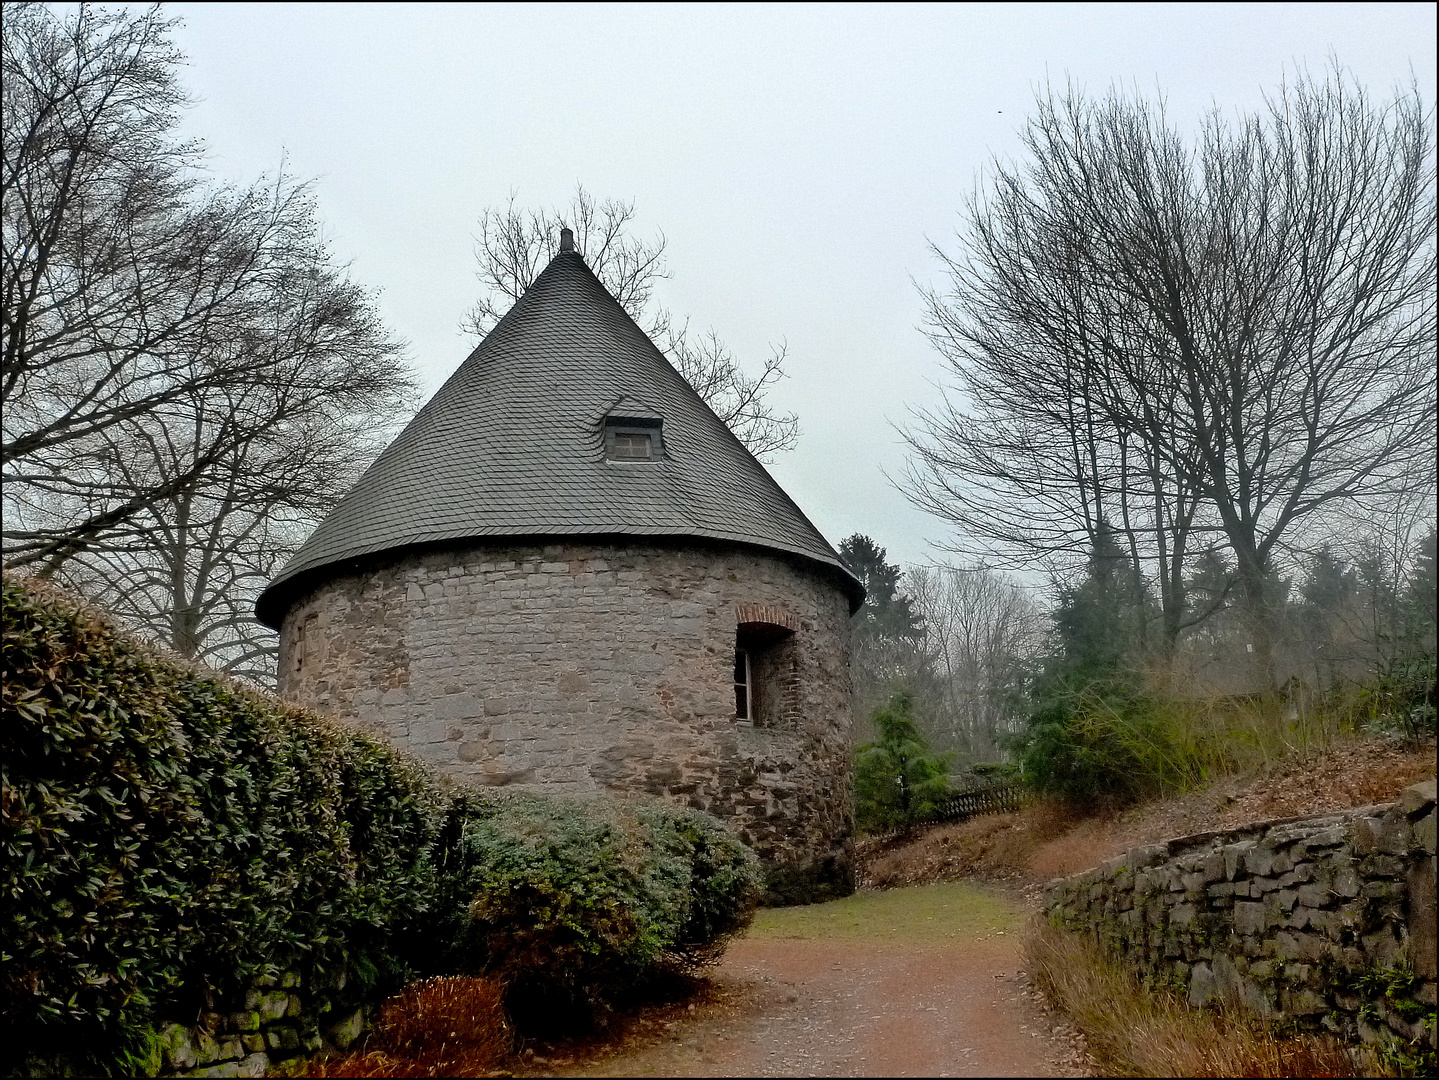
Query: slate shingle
[{"x": 512, "y": 446}]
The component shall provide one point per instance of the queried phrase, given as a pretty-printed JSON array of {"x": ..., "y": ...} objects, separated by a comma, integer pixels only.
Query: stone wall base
[{"x": 1325, "y": 922}]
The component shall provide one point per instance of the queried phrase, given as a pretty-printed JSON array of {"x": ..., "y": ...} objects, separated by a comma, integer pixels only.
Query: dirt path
[{"x": 925, "y": 981}]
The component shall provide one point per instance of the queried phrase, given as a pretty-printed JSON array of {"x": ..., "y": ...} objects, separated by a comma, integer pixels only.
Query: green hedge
[{"x": 167, "y": 834}]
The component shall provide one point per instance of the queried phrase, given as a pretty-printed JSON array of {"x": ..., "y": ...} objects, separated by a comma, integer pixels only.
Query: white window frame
[
  {"x": 748, "y": 717},
  {"x": 625, "y": 437}
]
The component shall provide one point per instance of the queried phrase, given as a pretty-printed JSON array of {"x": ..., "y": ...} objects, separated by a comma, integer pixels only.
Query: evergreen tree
[
  {"x": 1099, "y": 623},
  {"x": 887, "y": 614},
  {"x": 1090, "y": 735},
  {"x": 898, "y": 780},
  {"x": 886, "y": 632},
  {"x": 1420, "y": 601},
  {"x": 1327, "y": 603}
]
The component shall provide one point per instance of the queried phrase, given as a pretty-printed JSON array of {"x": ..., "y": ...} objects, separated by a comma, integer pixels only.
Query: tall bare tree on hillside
[
  {"x": 1253, "y": 318},
  {"x": 515, "y": 244}
]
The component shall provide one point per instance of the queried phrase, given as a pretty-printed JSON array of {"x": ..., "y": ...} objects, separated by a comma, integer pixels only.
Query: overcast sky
[{"x": 799, "y": 160}]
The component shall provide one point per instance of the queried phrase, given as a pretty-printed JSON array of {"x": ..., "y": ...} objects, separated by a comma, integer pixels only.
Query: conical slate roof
[{"x": 513, "y": 446}]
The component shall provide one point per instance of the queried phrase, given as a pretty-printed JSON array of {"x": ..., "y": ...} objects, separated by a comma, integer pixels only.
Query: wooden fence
[
  {"x": 961, "y": 806},
  {"x": 990, "y": 799}
]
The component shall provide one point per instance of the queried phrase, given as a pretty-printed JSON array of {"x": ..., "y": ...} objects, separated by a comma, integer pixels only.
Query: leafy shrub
[
  {"x": 167, "y": 834},
  {"x": 1402, "y": 698},
  {"x": 1103, "y": 743},
  {"x": 570, "y": 900},
  {"x": 898, "y": 780}
]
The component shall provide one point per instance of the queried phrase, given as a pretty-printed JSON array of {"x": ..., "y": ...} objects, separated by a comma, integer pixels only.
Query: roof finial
[{"x": 567, "y": 239}]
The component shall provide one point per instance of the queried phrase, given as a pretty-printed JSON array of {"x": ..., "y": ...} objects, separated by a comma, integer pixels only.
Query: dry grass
[
  {"x": 438, "y": 1027},
  {"x": 1049, "y": 839},
  {"x": 997, "y": 846},
  {"x": 1131, "y": 1030}
]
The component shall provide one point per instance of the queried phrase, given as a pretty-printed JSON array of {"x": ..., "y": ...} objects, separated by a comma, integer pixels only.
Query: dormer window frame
[{"x": 631, "y": 426}]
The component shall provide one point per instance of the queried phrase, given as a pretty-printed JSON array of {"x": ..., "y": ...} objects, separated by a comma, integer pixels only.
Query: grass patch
[
  {"x": 1134, "y": 1030},
  {"x": 944, "y": 911}
]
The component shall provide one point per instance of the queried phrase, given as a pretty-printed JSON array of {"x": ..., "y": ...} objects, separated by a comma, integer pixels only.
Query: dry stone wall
[
  {"x": 274, "y": 1021},
  {"x": 577, "y": 668},
  {"x": 1326, "y": 921}
]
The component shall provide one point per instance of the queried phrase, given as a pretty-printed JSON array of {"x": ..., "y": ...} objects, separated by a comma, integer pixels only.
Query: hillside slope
[{"x": 1048, "y": 839}]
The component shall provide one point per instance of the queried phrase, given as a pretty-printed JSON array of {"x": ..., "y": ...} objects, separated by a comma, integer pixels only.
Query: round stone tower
[{"x": 566, "y": 574}]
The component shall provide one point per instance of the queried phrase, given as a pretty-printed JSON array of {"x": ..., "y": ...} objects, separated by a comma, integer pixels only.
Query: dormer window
[
  {"x": 633, "y": 433},
  {"x": 632, "y": 446}
]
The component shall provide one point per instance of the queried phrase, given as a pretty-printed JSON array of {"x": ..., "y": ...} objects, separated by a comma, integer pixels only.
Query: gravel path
[{"x": 857, "y": 998}]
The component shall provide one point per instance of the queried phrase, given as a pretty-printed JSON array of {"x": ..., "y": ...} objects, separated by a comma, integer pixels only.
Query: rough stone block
[
  {"x": 282, "y": 1041},
  {"x": 248, "y": 1020},
  {"x": 347, "y": 1029},
  {"x": 1213, "y": 867},
  {"x": 1387, "y": 833},
  {"x": 1308, "y": 948},
  {"x": 1183, "y": 915},
  {"x": 1298, "y": 876},
  {"x": 1202, "y": 988},
  {"x": 1412, "y": 1031},
  {"x": 1382, "y": 890},
  {"x": 1331, "y": 837},
  {"x": 1417, "y": 797},
  {"x": 207, "y": 1050},
  {"x": 1234, "y": 855},
  {"x": 1380, "y": 865},
  {"x": 254, "y": 1065},
  {"x": 1259, "y": 860},
  {"x": 178, "y": 1046},
  {"x": 1346, "y": 879},
  {"x": 1421, "y": 834},
  {"x": 1304, "y": 1002},
  {"x": 1249, "y": 918},
  {"x": 1384, "y": 947},
  {"x": 271, "y": 1005},
  {"x": 1313, "y": 896}
]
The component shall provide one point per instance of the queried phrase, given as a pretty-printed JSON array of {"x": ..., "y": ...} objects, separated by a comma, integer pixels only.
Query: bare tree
[
  {"x": 515, "y": 244},
  {"x": 982, "y": 633},
  {"x": 130, "y": 288},
  {"x": 189, "y": 568},
  {"x": 188, "y": 378},
  {"x": 1253, "y": 319}
]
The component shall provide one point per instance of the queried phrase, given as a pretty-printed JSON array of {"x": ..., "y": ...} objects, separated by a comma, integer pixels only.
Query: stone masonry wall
[
  {"x": 1326, "y": 921},
  {"x": 265, "y": 1027},
  {"x": 577, "y": 668}
]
